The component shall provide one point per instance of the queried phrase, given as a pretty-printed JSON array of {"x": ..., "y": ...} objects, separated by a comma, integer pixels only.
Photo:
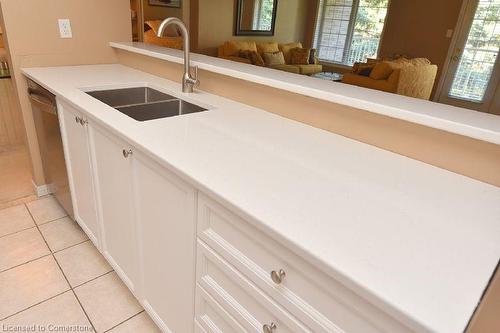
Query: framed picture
[
  {"x": 255, "y": 17},
  {"x": 165, "y": 3}
]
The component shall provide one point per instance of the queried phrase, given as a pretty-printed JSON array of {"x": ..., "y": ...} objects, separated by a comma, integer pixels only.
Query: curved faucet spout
[{"x": 188, "y": 82}]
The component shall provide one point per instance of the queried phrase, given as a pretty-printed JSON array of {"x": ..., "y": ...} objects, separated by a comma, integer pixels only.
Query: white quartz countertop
[
  {"x": 417, "y": 241},
  {"x": 477, "y": 125}
]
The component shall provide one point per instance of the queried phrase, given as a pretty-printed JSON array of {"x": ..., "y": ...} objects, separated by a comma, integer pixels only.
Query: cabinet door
[
  {"x": 115, "y": 204},
  {"x": 77, "y": 156},
  {"x": 166, "y": 223}
]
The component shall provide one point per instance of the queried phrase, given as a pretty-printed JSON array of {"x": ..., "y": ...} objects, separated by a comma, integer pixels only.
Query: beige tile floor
[
  {"x": 16, "y": 174},
  {"x": 52, "y": 277}
]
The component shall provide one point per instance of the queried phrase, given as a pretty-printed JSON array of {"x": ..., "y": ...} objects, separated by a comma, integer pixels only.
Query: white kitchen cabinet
[
  {"x": 149, "y": 229},
  {"x": 165, "y": 210},
  {"x": 74, "y": 132},
  {"x": 238, "y": 262},
  {"x": 116, "y": 204}
]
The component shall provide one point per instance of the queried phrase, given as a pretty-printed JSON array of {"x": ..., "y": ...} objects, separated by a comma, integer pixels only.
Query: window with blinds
[
  {"x": 480, "y": 53},
  {"x": 348, "y": 31}
]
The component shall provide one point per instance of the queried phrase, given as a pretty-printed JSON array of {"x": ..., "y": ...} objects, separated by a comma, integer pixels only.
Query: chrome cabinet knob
[
  {"x": 81, "y": 121},
  {"x": 278, "y": 277},
  {"x": 269, "y": 328},
  {"x": 126, "y": 153}
]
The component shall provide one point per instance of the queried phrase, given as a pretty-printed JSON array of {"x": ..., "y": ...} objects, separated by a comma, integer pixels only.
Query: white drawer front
[
  {"x": 239, "y": 297},
  {"x": 211, "y": 317},
  {"x": 320, "y": 302}
]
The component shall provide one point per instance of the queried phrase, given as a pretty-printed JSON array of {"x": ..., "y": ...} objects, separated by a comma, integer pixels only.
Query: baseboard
[{"x": 41, "y": 190}]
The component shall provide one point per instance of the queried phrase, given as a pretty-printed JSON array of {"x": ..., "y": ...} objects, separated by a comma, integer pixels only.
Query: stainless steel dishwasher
[{"x": 44, "y": 107}]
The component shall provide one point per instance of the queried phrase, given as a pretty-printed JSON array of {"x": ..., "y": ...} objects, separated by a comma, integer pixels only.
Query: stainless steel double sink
[{"x": 144, "y": 103}]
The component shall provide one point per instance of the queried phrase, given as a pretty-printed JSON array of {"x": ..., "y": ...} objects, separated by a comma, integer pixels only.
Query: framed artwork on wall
[
  {"x": 165, "y": 3},
  {"x": 255, "y": 17}
]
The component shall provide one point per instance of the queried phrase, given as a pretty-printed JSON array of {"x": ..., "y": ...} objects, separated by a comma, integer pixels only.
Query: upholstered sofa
[
  {"x": 409, "y": 77},
  {"x": 231, "y": 50}
]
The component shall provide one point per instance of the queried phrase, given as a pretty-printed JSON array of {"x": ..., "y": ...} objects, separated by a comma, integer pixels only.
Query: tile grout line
[
  {"x": 47, "y": 222},
  {"x": 31, "y": 306},
  {"x": 138, "y": 313},
  {"x": 69, "y": 247},
  {"x": 70, "y": 287},
  {"x": 19, "y": 201},
  {"x": 93, "y": 279},
  {"x": 27, "y": 262},
  {"x": 62, "y": 272},
  {"x": 48, "y": 254},
  {"x": 16, "y": 232},
  {"x": 48, "y": 247}
]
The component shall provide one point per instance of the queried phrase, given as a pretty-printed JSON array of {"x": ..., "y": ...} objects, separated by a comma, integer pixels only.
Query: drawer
[
  {"x": 239, "y": 297},
  {"x": 198, "y": 328},
  {"x": 210, "y": 317},
  {"x": 317, "y": 300}
]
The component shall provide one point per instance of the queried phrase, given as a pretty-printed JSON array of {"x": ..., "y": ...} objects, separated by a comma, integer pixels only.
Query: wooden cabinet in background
[{"x": 11, "y": 121}]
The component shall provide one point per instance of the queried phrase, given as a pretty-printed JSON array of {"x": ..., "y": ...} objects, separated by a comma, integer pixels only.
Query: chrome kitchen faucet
[{"x": 188, "y": 82}]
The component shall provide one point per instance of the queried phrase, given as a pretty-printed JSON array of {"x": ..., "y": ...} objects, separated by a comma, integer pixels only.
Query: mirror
[
  {"x": 444, "y": 51},
  {"x": 255, "y": 17}
]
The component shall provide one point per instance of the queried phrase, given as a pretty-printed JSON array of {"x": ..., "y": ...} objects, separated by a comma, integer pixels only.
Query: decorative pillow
[
  {"x": 312, "y": 56},
  {"x": 233, "y": 48},
  {"x": 420, "y": 61},
  {"x": 401, "y": 60},
  {"x": 269, "y": 47},
  {"x": 299, "y": 56},
  {"x": 285, "y": 48},
  {"x": 275, "y": 58},
  {"x": 359, "y": 66},
  {"x": 381, "y": 71},
  {"x": 253, "y": 56},
  {"x": 365, "y": 71}
]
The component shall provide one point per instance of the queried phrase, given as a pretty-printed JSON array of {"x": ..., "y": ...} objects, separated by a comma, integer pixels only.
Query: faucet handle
[{"x": 195, "y": 78}]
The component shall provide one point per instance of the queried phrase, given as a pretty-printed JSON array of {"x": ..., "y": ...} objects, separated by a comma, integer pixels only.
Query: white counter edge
[{"x": 473, "y": 124}]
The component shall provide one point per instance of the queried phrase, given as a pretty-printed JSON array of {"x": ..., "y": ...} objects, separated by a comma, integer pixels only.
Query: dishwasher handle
[{"x": 44, "y": 103}]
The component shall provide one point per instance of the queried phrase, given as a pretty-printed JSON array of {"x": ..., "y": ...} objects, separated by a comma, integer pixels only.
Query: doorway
[
  {"x": 15, "y": 167},
  {"x": 473, "y": 74}
]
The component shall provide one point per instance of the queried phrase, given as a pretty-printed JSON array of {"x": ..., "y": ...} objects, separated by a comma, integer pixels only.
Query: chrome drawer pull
[
  {"x": 269, "y": 328},
  {"x": 127, "y": 153},
  {"x": 278, "y": 277},
  {"x": 78, "y": 120}
]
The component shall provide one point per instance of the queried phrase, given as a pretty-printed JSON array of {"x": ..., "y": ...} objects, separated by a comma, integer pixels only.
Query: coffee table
[{"x": 331, "y": 76}]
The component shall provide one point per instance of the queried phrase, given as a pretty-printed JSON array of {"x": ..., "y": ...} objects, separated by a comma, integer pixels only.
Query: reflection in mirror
[
  {"x": 147, "y": 16},
  {"x": 444, "y": 50},
  {"x": 255, "y": 17}
]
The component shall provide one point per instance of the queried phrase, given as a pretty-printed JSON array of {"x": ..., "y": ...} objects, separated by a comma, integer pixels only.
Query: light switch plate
[{"x": 65, "y": 28}]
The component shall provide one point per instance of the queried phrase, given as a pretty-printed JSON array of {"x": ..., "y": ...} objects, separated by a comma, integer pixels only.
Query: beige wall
[
  {"x": 159, "y": 12},
  {"x": 33, "y": 40},
  {"x": 417, "y": 28},
  {"x": 216, "y": 23}
]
